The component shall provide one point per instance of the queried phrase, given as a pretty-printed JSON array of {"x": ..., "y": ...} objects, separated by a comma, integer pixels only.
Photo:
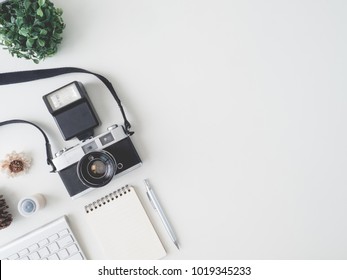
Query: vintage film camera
[{"x": 94, "y": 161}]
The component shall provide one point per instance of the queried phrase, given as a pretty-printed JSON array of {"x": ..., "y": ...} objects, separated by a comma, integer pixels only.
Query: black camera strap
[
  {"x": 32, "y": 75},
  {"x": 48, "y": 145}
]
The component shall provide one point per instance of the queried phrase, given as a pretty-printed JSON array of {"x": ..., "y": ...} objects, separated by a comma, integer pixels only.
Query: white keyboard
[{"x": 53, "y": 241}]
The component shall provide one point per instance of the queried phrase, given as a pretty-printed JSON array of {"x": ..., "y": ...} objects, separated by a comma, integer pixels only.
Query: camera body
[{"x": 95, "y": 161}]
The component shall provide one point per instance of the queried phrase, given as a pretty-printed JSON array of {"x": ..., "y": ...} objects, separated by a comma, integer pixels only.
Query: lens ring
[{"x": 96, "y": 169}]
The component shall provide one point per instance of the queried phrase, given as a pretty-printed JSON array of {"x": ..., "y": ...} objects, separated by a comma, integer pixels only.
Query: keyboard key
[
  {"x": 72, "y": 249},
  {"x": 43, "y": 252},
  {"x": 53, "y": 247},
  {"x": 34, "y": 256},
  {"x": 23, "y": 252},
  {"x": 14, "y": 257},
  {"x": 63, "y": 232},
  {"x": 65, "y": 241},
  {"x": 33, "y": 247},
  {"x": 77, "y": 256},
  {"x": 63, "y": 254},
  {"x": 43, "y": 242},
  {"x": 53, "y": 237},
  {"x": 53, "y": 257}
]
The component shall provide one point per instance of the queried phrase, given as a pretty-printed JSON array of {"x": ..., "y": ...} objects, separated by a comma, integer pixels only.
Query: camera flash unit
[{"x": 72, "y": 111}]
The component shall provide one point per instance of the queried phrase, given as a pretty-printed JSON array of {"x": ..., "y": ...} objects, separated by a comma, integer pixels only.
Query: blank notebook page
[{"x": 122, "y": 227}]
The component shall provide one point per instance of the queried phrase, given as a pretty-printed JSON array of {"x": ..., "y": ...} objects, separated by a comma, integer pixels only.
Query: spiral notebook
[{"x": 122, "y": 227}]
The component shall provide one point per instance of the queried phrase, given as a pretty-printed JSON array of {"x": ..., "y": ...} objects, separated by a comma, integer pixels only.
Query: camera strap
[
  {"x": 48, "y": 145},
  {"x": 32, "y": 75}
]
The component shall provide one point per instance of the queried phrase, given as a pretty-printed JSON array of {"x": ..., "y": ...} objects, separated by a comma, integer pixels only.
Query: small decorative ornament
[{"x": 16, "y": 164}]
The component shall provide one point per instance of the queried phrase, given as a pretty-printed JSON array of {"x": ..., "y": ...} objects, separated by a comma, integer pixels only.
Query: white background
[{"x": 239, "y": 109}]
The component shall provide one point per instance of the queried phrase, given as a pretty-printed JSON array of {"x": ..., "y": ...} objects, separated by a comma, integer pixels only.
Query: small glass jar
[{"x": 27, "y": 206}]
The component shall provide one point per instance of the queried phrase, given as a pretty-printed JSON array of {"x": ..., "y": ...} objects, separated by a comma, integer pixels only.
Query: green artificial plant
[{"x": 31, "y": 29}]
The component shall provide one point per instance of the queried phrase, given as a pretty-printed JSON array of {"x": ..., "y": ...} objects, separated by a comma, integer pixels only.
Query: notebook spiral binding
[{"x": 106, "y": 199}]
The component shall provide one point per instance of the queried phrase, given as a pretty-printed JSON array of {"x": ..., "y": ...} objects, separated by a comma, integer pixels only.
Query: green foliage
[{"x": 31, "y": 28}]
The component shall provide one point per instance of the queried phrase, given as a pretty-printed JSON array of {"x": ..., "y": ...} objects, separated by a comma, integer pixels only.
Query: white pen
[{"x": 155, "y": 203}]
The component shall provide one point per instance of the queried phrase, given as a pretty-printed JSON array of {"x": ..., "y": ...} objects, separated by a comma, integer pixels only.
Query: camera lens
[{"x": 96, "y": 169}]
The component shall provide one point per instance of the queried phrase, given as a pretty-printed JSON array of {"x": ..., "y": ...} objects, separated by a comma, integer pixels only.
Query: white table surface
[{"x": 239, "y": 109}]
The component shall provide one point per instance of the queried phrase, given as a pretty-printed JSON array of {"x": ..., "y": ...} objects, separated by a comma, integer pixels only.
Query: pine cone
[{"x": 5, "y": 216}]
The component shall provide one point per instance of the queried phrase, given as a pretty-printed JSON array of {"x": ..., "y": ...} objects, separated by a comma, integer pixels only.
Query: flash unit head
[{"x": 72, "y": 111}]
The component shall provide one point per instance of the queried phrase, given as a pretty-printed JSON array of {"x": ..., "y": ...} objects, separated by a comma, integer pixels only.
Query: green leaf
[
  {"x": 42, "y": 43},
  {"x": 41, "y": 2},
  {"x": 48, "y": 14},
  {"x": 39, "y": 12},
  {"x": 30, "y": 42},
  {"x": 24, "y": 32},
  {"x": 43, "y": 32},
  {"x": 19, "y": 21},
  {"x": 27, "y": 4},
  {"x": 59, "y": 11}
]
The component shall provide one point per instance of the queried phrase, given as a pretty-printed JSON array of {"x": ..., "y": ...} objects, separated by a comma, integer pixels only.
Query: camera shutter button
[
  {"x": 60, "y": 152},
  {"x": 112, "y": 127}
]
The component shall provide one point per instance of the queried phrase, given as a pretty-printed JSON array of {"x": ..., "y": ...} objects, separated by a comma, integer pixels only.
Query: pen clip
[{"x": 151, "y": 201}]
